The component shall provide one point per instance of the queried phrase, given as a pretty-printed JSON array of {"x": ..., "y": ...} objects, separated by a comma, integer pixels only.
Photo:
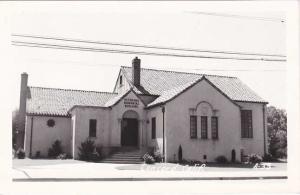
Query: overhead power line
[
  {"x": 145, "y": 46},
  {"x": 93, "y": 49},
  {"x": 239, "y": 16}
]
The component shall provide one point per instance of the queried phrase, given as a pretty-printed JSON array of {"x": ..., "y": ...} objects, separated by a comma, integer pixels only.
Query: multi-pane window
[
  {"x": 204, "y": 127},
  {"x": 193, "y": 127},
  {"x": 153, "y": 123},
  {"x": 214, "y": 127},
  {"x": 93, "y": 128},
  {"x": 246, "y": 119}
]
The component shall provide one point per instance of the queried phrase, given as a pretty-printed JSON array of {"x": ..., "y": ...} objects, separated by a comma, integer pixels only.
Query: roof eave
[
  {"x": 256, "y": 102},
  {"x": 48, "y": 114}
]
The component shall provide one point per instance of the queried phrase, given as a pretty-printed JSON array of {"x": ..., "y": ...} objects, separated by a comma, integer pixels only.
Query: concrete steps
[{"x": 125, "y": 156}]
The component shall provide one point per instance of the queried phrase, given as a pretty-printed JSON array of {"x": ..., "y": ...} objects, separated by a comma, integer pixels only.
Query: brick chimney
[
  {"x": 22, "y": 110},
  {"x": 136, "y": 71}
]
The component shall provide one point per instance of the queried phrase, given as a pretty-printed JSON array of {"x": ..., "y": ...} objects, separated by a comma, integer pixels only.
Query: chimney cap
[{"x": 24, "y": 73}]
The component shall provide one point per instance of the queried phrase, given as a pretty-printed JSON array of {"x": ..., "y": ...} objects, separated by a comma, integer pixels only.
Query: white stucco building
[{"x": 207, "y": 115}]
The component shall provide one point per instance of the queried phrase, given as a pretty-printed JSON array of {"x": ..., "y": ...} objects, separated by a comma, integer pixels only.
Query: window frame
[
  {"x": 93, "y": 128},
  {"x": 193, "y": 129},
  {"x": 204, "y": 131},
  {"x": 246, "y": 124},
  {"x": 153, "y": 127}
]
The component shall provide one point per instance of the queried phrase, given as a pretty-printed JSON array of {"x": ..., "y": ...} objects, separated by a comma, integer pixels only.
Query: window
[
  {"x": 121, "y": 80},
  {"x": 204, "y": 127},
  {"x": 153, "y": 123},
  {"x": 193, "y": 127},
  {"x": 93, "y": 128},
  {"x": 214, "y": 127},
  {"x": 246, "y": 119}
]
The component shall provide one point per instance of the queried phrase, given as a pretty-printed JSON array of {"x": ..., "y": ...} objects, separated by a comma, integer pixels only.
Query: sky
[{"x": 162, "y": 24}]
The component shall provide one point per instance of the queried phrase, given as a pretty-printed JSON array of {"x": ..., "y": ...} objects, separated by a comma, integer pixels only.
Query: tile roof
[
  {"x": 52, "y": 101},
  {"x": 116, "y": 99},
  {"x": 171, "y": 93},
  {"x": 157, "y": 82}
]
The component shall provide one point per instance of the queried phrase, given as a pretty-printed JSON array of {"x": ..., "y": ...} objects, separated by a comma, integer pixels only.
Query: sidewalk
[{"x": 72, "y": 170}]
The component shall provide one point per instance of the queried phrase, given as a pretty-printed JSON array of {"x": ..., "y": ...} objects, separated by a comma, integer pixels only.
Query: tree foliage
[
  {"x": 15, "y": 116},
  {"x": 277, "y": 131}
]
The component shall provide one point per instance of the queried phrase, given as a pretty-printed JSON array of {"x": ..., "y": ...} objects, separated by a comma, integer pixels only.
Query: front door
[{"x": 129, "y": 132}]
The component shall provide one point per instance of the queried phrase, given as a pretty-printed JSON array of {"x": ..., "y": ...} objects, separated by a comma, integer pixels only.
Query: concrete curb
[{"x": 142, "y": 179}]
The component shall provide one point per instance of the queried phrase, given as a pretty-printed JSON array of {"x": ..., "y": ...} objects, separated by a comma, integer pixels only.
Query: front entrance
[{"x": 129, "y": 132}]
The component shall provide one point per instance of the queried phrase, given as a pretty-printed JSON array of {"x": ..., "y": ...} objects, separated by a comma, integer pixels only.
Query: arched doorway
[{"x": 129, "y": 129}]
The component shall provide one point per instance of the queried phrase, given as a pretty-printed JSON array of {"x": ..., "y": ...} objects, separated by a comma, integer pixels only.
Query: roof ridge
[
  {"x": 181, "y": 72},
  {"x": 80, "y": 90}
]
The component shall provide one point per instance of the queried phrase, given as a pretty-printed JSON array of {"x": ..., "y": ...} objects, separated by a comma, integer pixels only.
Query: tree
[
  {"x": 277, "y": 131},
  {"x": 15, "y": 118}
]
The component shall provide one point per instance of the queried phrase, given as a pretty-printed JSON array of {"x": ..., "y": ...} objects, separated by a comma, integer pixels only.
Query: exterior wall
[
  {"x": 81, "y": 117},
  {"x": 124, "y": 87},
  {"x": 116, "y": 115},
  {"x": 157, "y": 143},
  {"x": 178, "y": 125},
  {"x": 255, "y": 144},
  {"x": 44, "y": 136}
]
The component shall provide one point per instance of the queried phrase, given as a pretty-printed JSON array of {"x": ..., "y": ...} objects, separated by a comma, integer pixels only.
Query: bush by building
[
  {"x": 20, "y": 153},
  {"x": 88, "y": 151},
  {"x": 221, "y": 159},
  {"x": 148, "y": 159},
  {"x": 254, "y": 158},
  {"x": 55, "y": 150}
]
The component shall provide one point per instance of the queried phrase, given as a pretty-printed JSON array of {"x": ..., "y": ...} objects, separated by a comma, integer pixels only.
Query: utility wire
[
  {"x": 239, "y": 16},
  {"x": 68, "y": 47},
  {"x": 144, "y": 46},
  {"x": 178, "y": 69}
]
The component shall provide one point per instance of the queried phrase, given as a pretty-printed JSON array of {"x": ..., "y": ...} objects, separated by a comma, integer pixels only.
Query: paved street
[{"x": 79, "y": 170}]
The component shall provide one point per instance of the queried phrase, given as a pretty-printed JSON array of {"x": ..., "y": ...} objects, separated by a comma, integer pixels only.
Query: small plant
[
  {"x": 20, "y": 153},
  {"x": 157, "y": 156},
  {"x": 55, "y": 150},
  {"x": 148, "y": 159},
  {"x": 221, "y": 159},
  {"x": 62, "y": 156},
  {"x": 254, "y": 158},
  {"x": 38, "y": 154},
  {"x": 87, "y": 151},
  {"x": 195, "y": 162},
  {"x": 269, "y": 158}
]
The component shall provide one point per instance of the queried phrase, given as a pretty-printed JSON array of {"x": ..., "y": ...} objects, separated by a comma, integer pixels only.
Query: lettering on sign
[{"x": 131, "y": 103}]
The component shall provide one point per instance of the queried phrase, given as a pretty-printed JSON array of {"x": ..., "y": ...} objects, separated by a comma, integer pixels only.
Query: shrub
[
  {"x": 55, "y": 150},
  {"x": 38, "y": 154},
  {"x": 148, "y": 159},
  {"x": 184, "y": 162},
  {"x": 62, "y": 156},
  {"x": 99, "y": 151},
  {"x": 20, "y": 153},
  {"x": 87, "y": 151},
  {"x": 157, "y": 156},
  {"x": 221, "y": 159},
  {"x": 254, "y": 158},
  {"x": 195, "y": 162},
  {"x": 269, "y": 158}
]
